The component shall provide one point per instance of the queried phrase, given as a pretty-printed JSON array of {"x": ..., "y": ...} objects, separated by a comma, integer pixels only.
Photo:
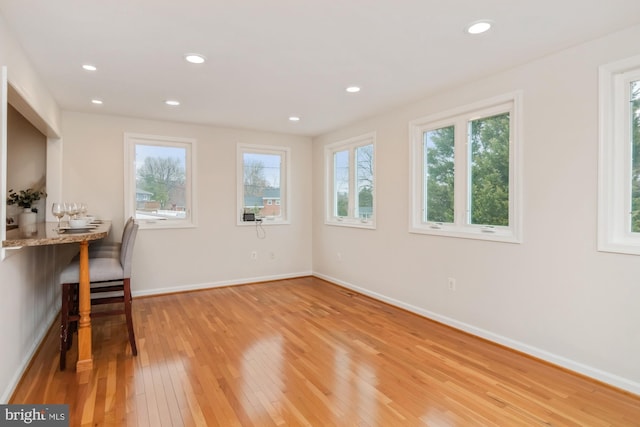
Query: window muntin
[
  {"x": 159, "y": 184},
  {"x": 262, "y": 182},
  {"x": 465, "y": 172},
  {"x": 350, "y": 180},
  {"x": 619, "y": 157}
]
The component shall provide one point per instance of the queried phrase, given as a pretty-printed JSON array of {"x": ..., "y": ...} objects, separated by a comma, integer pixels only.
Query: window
[
  {"x": 159, "y": 185},
  {"x": 465, "y": 172},
  {"x": 619, "y": 166},
  {"x": 350, "y": 182},
  {"x": 263, "y": 176}
]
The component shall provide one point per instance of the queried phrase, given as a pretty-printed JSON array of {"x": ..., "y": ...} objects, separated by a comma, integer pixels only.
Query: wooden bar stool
[{"x": 110, "y": 273}]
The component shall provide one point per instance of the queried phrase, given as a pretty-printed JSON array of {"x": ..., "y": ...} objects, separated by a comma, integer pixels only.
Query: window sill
[
  {"x": 620, "y": 247},
  {"x": 352, "y": 223},
  {"x": 264, "y": 222},
  {"x": 163, "y": 225},
  {"x": 495, "y": 235}
]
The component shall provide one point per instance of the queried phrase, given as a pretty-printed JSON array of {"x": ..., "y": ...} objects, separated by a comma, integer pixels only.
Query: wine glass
[
  {"x": 83, "y": 209},
  {"x": 71, "y": 209},
  {"x": 58, "y": 210}
]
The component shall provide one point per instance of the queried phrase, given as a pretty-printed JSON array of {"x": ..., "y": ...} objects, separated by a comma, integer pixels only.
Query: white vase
[{"x": 27, "y": 221}]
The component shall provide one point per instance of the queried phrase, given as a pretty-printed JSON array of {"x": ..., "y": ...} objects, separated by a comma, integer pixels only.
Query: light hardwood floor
[{"x": 305, "y": 352}]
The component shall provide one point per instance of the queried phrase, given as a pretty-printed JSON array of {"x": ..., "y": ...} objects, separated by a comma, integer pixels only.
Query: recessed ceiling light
[
  {"x": 294, "y": 119},
  {"x": 172, "y": 102},
  {"x": 96, "y": 101},
  {"x": 353, "y": 89},
  {"x": 89, "y": 67},
  {"x": 195, "y": 58},
  {"x": 479, "y": 27}
]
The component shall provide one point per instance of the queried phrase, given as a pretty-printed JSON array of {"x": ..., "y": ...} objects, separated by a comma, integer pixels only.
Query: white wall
[
  {"x": 215, "y": 253},
  {"x": 554, "y": 295},
  {"x": 25, "y": 80},
  {"x": 30, "y": 303},
  {"x": 30, "y": 298}
]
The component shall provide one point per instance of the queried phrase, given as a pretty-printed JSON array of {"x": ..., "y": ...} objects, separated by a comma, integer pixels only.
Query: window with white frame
[
  {"x": 619, "y": 162},
  {"x": 350, "y": 182},
  {"x": 159, "y": 184},
  {"x": 263, "y": 183},
  {"x": 465, "y": 171}
]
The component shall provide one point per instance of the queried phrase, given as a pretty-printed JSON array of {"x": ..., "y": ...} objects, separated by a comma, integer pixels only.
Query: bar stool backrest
[{"x": 126, "y": 250}]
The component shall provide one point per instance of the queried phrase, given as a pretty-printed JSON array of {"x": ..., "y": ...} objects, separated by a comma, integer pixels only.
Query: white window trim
[
  {"x": 285, "y": 193},
  {"x": 130, "y": 141},
  {"x": 329, "y": 150},
  {"x": 3, "y": 157},
  {"x": 614, "y": 166},
  {"x": 511, "y": 102}
]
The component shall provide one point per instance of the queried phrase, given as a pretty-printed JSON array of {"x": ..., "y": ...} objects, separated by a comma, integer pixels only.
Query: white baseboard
[
  {"x": 17, "y": 376},
  {"x": 580, "y": 368},
  {"x": 219, "y": 284}
]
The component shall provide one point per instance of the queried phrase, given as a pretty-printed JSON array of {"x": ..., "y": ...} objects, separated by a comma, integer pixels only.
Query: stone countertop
[{"x": 47, "y": 234}]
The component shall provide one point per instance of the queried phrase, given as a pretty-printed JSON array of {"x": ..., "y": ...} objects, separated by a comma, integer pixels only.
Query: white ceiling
[{"x": 270, "y": 59}]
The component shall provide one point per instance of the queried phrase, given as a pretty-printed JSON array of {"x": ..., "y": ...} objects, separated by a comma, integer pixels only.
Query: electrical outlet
[
  {"x": 451, "y": 283},
  {"x": 254, "y": 255},
  {"x": 272, "y": 255},
  {"x": 339, "y": 256}
]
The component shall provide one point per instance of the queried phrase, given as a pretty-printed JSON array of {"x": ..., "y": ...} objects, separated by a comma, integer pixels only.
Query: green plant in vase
[{"x": 25, "y": 198}]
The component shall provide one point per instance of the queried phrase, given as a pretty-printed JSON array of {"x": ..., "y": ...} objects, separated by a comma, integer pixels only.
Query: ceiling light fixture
[
  {"x": 172, "y": 102},
  {"x": 96, "y": 101},
  {"x": 479, "y": 27},
  {"x": 89, "y": 67},
  {"x": 294, "y": 119},
  {"x": 194, "y": 58},
  {"x": 353, "y": 89}
]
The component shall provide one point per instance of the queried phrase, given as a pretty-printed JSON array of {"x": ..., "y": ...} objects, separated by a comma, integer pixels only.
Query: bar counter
[{"x": 47, "y": 234}]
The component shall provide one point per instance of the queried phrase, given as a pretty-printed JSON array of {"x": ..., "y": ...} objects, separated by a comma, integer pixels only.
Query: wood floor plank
[{"x": 303, "y": 352}]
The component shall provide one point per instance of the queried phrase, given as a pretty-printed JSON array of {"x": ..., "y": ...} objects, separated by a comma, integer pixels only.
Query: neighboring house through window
[{"x": 263, "y": 174}]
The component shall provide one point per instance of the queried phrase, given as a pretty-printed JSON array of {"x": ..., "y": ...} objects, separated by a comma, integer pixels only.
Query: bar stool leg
[
  {"x": 128, "y": 315},
  {"x": 64, "y": 325}
]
